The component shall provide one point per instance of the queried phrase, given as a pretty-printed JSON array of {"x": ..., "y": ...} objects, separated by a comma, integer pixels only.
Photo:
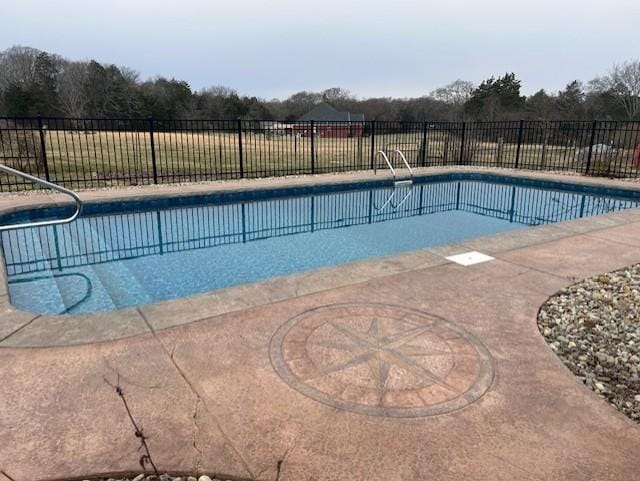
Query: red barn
[{"x": 328, "y": 122}]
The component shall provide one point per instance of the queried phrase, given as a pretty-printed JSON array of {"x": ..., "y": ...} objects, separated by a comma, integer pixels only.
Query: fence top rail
[{"x": 309, "y": 122}]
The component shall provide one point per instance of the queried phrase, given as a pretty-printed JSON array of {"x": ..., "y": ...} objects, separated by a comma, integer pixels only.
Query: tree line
[{"x": 34, "y": 82}]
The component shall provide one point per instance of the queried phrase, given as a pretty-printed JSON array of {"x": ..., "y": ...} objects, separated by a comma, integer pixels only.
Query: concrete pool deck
[{"x": 407, "y": 367}]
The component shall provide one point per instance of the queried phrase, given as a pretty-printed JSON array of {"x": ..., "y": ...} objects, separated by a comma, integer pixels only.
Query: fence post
[
  {"x": 464, "y": 128},
  {"x": 499, "y": 151},
  {"x": 240, "y": 153},
  {"x": 373, "y": 142},
  {"x": 543, "y": 160},
  {"x": 153, "y": 152},
  {"x": 591, "y": 141},
  {"x": 423, "y": 160},
  {"x": 313, "y": 148},
  {"x": 519, "y": 143},
  {"x": 43, "y": 150}
]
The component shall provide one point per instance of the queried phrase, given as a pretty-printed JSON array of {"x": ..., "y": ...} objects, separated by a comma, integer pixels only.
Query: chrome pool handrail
[
  {"x": 404, "y": 159},
  {"x": 386, "y": 159},
  {"x": 50, "y": 185},
  {"x": 390, "y": 165}
]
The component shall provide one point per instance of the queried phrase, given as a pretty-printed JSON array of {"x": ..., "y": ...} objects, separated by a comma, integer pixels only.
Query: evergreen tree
[
  {"x": 570, "y": 101},
  {"x": 496, "y": 97}
]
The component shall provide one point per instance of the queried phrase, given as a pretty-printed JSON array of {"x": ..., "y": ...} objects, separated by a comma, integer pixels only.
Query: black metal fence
[{"x": 88, "y": 153}]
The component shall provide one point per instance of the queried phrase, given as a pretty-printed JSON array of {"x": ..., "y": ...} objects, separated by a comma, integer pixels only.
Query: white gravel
[
  {"x": 594, "y": 327},
  {"x": 161, "y": 477}
]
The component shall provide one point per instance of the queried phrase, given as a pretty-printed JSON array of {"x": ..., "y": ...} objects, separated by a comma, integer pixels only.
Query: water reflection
[{"x": 107, "y": 238}]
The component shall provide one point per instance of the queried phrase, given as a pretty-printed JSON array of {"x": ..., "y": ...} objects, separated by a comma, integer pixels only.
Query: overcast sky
[{"x": 393, "y": 48}]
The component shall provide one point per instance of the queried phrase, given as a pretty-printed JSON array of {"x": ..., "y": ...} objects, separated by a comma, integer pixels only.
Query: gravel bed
[{"x": 594, "y": 327}]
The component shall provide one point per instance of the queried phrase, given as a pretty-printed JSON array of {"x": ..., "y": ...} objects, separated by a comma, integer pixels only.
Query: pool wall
[{"x": 325, "y": 185}]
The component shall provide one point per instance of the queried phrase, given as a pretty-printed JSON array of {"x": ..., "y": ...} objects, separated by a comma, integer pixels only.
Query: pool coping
[{"x": 29, "y": 330}]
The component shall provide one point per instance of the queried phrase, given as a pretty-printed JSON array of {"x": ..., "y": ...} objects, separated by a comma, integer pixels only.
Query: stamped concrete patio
[{"x": 406, "y": 368}]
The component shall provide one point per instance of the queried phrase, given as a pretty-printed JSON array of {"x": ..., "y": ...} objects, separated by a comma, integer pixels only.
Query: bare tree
[
  {"x": 455, "y": 93},
  {"x": 130, "y": 75},
  {"x": 18, "y": 66},
  {"x": 336, "y": 94},
  {"x": 623, "y": 83},
  {"x": 71, "y": 94}
]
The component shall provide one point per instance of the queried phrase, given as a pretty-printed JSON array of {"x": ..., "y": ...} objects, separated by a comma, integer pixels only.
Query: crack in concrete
[
  {"x": 196, "y": 432},
  {"x": 182, "y": 374},
  {"x": 281, "y": 462},
  {"x": 515, "y": 466},
  {"x": 128, "y": 380},
  {"x": 284, "y": 457}
]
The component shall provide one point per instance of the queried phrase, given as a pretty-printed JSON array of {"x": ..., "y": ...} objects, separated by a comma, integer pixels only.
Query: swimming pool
[{"x": 124, "y": 254}]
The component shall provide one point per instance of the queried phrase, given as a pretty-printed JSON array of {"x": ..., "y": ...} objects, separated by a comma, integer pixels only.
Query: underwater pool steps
[{"x": 119, "y": 281}]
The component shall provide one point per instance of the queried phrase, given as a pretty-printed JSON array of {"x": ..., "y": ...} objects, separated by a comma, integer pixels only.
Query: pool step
[
  {"x": 39, "y": 288},
  {"x": 403, "y": 183},
  {"x": 92, "y": 293},
  {"x": 118, "y": 280}
]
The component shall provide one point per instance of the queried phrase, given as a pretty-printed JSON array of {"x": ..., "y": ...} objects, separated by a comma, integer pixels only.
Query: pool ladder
[
  {"x": 396, "y": 183},
  {"x": 50, "y": 185}
]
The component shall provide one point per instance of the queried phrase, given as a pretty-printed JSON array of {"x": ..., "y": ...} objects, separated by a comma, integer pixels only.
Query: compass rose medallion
[{"x": 381, "y": 360}]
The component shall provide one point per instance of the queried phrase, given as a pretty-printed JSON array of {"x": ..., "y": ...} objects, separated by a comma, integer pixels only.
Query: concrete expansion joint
[
  {"x": 4, "y": 476},
  {"x": 16, "y": 331},
  {"x": 535, "y": 269},
  {"x": 592, "y": 235}
]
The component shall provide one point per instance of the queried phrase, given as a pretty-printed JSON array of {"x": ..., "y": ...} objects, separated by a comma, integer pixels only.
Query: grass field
[{"x": 92, "y": 159}]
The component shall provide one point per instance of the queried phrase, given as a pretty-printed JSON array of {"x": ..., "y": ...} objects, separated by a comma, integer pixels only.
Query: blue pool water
[{"x": 128, "y": 254}]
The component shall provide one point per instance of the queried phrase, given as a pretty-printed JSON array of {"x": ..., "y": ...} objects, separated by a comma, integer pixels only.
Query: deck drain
[{"x": 470, "y": 258}]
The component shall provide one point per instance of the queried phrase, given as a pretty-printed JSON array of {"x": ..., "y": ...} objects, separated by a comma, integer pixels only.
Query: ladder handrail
[
  {"x": 386, "y": 159},
  {"x": 404, "y": 159},
  {"x": 50, "y": 185}
]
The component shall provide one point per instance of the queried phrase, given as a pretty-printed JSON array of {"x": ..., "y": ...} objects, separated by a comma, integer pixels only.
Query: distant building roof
[{"x": 326, "y": 113}]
